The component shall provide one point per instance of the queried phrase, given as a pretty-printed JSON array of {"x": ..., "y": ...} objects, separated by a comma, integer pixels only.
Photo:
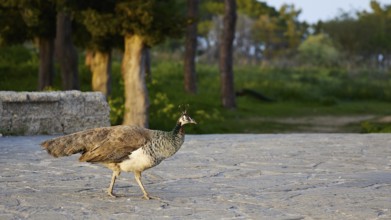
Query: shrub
[
  {"x": 318, "y": 50},
  {"x": 373, "y": 127}
]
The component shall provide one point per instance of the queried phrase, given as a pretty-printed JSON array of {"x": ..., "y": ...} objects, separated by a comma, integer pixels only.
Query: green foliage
[
  {"x": 254, "y": 8},
  {"x": 99, "y": 24},
  {"x": 14, "y": 55},
  {"x": 375, "y": 127},
  {"x": 208, "y": 9},
  {"x": 153, "y": 20},
  {"x": 117, "y": 109},
  {"x": 365, "y": 34},
  {"x": 104, "y": 23},
  {"x": 13, "y": 30},
  {"x": 22, "y": 20},
  {"x": 18, "y": 62},
  {"x": 280, "y": 33},
  {"x": 298, "y": 92},
  {"x": 167, "y": 95},
  {"x": 96, "y": 24},
  {"x": 211, "y": 7},
  {"x": 318, "y": 50},
  {"x": 315, "y": 84},
  {"x": 39, "y": 16}
]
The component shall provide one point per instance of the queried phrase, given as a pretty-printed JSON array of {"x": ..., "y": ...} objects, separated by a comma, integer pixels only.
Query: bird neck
[{"x": 178, "y": 129}]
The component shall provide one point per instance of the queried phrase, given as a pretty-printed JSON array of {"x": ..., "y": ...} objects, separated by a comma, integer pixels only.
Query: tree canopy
[
  {"x": 263, "y": 33},
  {"x": 363, "y": 35},
  {"x": 23, "y": 19}
]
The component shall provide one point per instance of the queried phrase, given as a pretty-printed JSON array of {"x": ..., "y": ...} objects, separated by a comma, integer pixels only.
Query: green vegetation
[
  {"x": 333, "y": 76},
  {"x": 298, "y": 93},
  {"x": 17, "y": 62}
]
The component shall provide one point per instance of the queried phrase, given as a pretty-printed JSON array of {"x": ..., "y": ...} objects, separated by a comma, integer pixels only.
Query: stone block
[
  {"x": 5, "y": 125},
  {"x": 95, "y": 104},
  {"x": 50, "y": 126},
  {"x": 26, "y": 113}
]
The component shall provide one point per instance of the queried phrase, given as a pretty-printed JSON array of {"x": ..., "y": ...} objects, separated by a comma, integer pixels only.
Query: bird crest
[{"x": 183, "y": 109}]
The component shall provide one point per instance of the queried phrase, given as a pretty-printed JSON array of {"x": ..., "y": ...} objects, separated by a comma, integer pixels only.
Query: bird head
[{"x": 185, "y": 119}]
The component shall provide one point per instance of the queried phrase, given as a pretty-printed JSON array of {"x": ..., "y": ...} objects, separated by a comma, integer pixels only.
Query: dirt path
[{"x": 329, "y": 124}]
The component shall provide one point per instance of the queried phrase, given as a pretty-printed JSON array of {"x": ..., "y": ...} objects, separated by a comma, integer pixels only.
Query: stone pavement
[{"x": 280, "y": 176}]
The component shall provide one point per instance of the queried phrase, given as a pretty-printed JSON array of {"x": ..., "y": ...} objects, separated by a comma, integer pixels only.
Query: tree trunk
[
  {"x": 133, "y": 73},
  {"x": 191, "y": 47},
  {"x": 226, "y": 55},
  {"x": 148, "y": 72},
  {"x": 88, "y": 58},
  {"x": 46, "y": 63},
  {"x": 66, "y": 53},
  {"x": 100, "y": 66}
]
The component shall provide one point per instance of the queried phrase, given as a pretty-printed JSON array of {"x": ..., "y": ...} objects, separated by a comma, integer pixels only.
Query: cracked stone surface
[{"x": 281, "y": 176}]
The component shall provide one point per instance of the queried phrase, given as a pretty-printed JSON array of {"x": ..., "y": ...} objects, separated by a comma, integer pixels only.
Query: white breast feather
[{"x": 138, "y": 161}]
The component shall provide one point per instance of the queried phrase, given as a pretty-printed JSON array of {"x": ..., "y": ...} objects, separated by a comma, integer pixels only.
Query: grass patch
[
  {"x": 375, "y": 127},
  {"x": 297, "y": 93}
]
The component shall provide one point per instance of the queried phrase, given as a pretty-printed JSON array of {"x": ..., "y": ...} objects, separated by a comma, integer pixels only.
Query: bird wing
[
  {"x": 113, "y": 144},
  {"x": 78, "y": 142}
]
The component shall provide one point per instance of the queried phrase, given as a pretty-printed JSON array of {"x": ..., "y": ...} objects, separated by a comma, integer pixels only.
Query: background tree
[
  {"x": 344, "y": 31},
  {"x": 294, "y": 30},
  {"x": 363, "y": 36},
  {"x": 279, "y": 33},
  {"x": 226, "y": 55},
  {"x": 247, "y": 48},
  {"x": 191, "y": 47},
  {"x": 143, "y": 23},
  {"x": 13, "y": 29},
  {"x": 209, "y": 27},
  {"x": 99, "y": 35},
  {"x": 39, "y": 25},
  {"x": 65, "y": 51},
  {"x": 377, "y": 44}
]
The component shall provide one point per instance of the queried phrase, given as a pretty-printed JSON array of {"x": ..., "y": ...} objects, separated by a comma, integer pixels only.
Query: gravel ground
[{"x": 280, "y": 176}]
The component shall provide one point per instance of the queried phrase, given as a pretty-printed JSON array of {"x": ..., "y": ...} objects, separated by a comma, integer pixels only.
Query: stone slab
[
  {"x": 60, "y": 112},
  {"x": 281, "y": 176}
]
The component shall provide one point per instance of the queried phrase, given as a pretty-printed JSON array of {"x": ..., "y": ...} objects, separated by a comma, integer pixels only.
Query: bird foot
[{"x": 112, "y": 195}]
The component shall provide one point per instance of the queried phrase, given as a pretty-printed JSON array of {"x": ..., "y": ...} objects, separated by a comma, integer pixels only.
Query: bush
[
  {"x": 18, "y": 69},
  {"x": 318, "y": 50},
  {"x": 15, "y": 55},
  {"x": 373, "y": 127}
]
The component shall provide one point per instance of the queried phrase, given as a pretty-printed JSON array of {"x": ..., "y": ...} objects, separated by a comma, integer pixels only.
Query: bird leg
[
  {"x": 116, "y": 173},
  {"x": 137, "y": 175}
]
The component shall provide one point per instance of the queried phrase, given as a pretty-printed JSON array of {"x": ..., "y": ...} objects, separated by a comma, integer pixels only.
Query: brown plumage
[{"x": 121, "y": 148}]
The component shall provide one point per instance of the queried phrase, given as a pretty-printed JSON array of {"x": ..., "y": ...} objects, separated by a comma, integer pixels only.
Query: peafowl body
[{"x": 122, "y": 148}]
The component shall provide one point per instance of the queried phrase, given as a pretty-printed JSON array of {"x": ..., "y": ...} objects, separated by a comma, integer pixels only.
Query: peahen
[{"x": 122, "y": 148}]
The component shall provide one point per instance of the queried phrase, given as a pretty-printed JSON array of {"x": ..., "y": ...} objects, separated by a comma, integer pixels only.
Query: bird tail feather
[{"x": 64, "y": 146}]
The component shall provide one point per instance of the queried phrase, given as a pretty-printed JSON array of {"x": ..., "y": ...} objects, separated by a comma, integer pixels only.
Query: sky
[{"x": 314, "y": 10}]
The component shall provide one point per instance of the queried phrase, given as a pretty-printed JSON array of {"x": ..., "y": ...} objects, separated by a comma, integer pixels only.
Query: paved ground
[{"x": 298, "y": 176}]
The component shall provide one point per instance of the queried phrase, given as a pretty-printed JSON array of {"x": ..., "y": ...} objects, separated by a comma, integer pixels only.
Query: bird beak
[{"x": 192, "y": 121}]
